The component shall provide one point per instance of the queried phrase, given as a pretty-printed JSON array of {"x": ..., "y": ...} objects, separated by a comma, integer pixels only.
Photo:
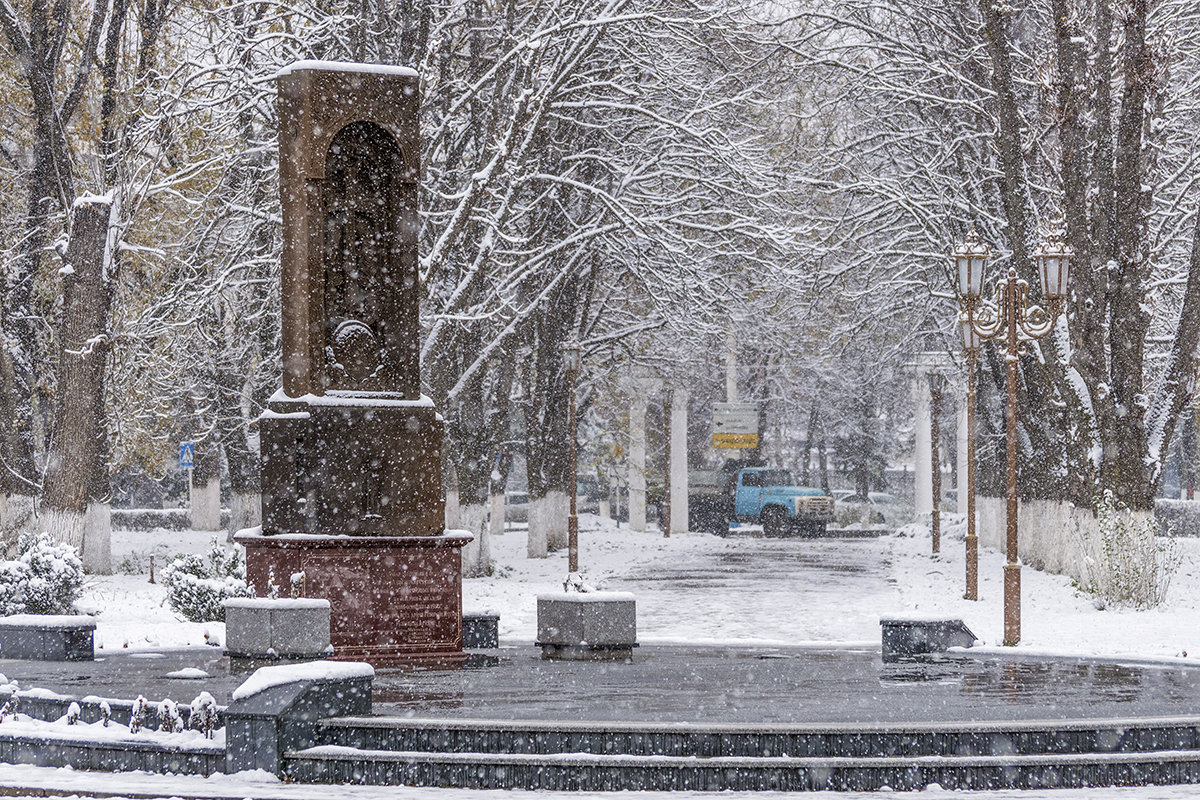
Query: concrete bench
[
  {"x": 47, "y": 637},
  {"x": 914, "y": 636},
  {"x": 481, "y": 630},
  {"x": 587, "y": 626},
  {"x": 284, "y": 628}
]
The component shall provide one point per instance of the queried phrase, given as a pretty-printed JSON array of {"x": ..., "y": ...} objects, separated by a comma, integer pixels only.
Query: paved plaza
[{"x": 692, "y": 684}]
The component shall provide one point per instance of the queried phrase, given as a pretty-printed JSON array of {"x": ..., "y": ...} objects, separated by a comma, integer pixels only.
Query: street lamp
[
  {"x": 1013, "y": 318},
  {"x": 970, "y": 259},
  {"x": 937, "y": 384},
  {"x": 571, "y": 361}
]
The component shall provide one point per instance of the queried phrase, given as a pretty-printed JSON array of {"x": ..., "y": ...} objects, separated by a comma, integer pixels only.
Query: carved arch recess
[{"x": 368, "y": 263}]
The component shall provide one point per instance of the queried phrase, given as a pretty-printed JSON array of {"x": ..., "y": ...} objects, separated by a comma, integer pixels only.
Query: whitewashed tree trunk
[
  {"x": 473, "y": 518},
  {"x": 536, "y": 546},
  {"x": 206, "y": 505},
  {"x": 97, "y": 539},
  {"x": 496, "y": 517},
  {"x": 63, "y": 526},
  {"x": 557, "y": 507},
  {"x": 16, "y": 518},
  {"x": 453, "y": 516},
  {"x": 245, "y": 511}
]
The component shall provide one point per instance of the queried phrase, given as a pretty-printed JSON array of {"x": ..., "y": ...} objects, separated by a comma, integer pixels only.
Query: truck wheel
[{"x": 774, "y": 522}]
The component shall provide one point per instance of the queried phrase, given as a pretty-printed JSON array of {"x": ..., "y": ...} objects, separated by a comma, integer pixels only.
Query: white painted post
[
  {"x": 923, "y": 457},
  {"x": 637, "y": 463},
  {"x": 679, "y": 465},
  {"x": 496, "y": 515},
  {"x": 731, "y": 375}
]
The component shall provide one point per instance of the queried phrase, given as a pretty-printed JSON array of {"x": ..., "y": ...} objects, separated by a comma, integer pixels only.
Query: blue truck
[
  {"x": 756, "y": 494},
  {"x": 772, "y": 498}
]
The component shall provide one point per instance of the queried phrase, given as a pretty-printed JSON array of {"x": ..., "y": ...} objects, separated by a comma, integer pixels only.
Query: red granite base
[{"x": 392, "y": 598}]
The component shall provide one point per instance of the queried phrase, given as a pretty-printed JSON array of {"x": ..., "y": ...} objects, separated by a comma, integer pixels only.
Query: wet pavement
[
  {"x": 726, "y": 594},
  {"x": 694, "y": 684},
  {"x": 790, "y": 685}
]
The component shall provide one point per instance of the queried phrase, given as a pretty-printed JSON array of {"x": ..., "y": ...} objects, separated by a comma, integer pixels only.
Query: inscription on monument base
[{"x": 390, "y": 597}]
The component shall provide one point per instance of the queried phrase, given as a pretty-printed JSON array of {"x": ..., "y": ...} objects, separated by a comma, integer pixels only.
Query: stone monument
[{"x": 351, "y": 450}]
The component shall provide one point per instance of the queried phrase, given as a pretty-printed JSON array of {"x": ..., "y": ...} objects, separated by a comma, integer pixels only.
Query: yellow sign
[{"x": 735, "y": 441}]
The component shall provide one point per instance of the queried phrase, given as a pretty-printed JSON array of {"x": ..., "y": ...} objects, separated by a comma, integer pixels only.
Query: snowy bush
[
  {"x": 197, "y": 586},
  {"x": 55, "y": 575},
  {"x": 46, "y": 578},
  {"x": 14, "y": 576},
  {"x": 204, "y": 714},
  {"x": 1128, "y": 564}
]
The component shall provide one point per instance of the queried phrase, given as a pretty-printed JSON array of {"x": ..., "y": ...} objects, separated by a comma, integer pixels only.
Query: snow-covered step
[
  {"x": 759, "y": 741},
  {"x": 594, "y": 772}
]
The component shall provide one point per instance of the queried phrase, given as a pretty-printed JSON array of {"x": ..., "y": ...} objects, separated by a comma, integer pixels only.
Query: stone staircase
[{"x": 597, "y": 756}]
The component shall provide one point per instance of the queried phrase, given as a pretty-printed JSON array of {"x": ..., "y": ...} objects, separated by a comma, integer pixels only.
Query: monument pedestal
[{"x": 392, "y": 598}]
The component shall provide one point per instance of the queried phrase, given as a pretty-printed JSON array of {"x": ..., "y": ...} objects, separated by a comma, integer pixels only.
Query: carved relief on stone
[{"x": 362, "y": 255}]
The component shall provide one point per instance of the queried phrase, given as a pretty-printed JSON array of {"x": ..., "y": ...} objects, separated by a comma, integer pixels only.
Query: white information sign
[{"x": 735, "y": 426}]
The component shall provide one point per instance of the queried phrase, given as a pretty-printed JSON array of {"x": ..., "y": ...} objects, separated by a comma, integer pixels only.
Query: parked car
[
  {"x": 516, "y": 506},
  {"x": 878, "y": 508}
]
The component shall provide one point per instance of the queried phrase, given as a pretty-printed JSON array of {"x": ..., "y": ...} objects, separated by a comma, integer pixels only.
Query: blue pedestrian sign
[{"x": 187, "y": 454}]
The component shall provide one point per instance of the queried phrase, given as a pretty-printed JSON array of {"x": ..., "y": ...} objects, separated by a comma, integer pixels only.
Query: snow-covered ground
[
  {"x": 695, "y": 587},
  {"x": 259, "y": 785},
  {"x": 691, "y": 587},
  {"x": 65, "y": 782},
  {"x": 756, "y": 607}
]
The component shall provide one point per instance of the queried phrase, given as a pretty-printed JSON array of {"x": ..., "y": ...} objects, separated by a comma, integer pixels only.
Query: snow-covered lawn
[
  {"x": 804, "y": 603},
  {"x": 696, "y": 587},
  {"x": 690, "y": 587}
]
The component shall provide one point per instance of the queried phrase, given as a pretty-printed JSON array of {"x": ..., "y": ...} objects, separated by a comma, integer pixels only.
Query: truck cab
[{"x": 772, "y": 497}]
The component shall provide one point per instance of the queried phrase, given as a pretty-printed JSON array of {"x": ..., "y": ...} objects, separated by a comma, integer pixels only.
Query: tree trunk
[
  {"x": 806, "y": 461},
  {"x": 546, "y": 445},
  {"x": 245, "y": 499},
  {"x": 76, "y": 467},
  {"x": 206, "y": 487}
]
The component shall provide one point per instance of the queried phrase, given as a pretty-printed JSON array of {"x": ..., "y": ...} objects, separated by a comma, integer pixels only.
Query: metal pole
[
  {"x": 573, "y": 520},
  {"x": 935, "y": 398},
  {"x": 666, "y": 502},
  {"x": 1012, "y": 570},
  {"x": 972, "y": 540}
]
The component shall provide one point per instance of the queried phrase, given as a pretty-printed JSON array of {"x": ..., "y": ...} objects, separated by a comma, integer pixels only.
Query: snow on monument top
[{"x": 346, "y": 66}]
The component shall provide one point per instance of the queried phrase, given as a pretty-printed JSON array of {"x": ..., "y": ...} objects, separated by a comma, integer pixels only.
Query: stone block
[
  {"x": 916, "y": 636},
  {"x": 279, "y": 709},
  {"x": 38, "y": 637},
  {"x": 481, "y": 630},
  {"x": 587, "y": 625},
  {"x": 260, "y": 627}
]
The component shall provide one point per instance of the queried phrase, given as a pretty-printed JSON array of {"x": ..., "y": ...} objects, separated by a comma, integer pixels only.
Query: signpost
[{"x": 735, "y": 426}]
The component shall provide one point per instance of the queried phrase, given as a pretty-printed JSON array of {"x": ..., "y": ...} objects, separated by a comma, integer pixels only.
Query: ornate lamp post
[
  {"x": 937, "y": 384},
  {"x": 1014, "y": 319},
  {"x": 970, "y": 259},
  {"x": 571, "y": 360}
]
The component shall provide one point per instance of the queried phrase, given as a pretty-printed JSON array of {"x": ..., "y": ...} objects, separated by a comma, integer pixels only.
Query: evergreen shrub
[{"x": 197, "y": 586}]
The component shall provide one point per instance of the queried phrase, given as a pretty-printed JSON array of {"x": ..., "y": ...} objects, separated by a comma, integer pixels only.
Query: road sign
[
  {"x": 735, "y": 426},
  {"x": 735, "y": 441},
  {"x": 187, "y": 454}
]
